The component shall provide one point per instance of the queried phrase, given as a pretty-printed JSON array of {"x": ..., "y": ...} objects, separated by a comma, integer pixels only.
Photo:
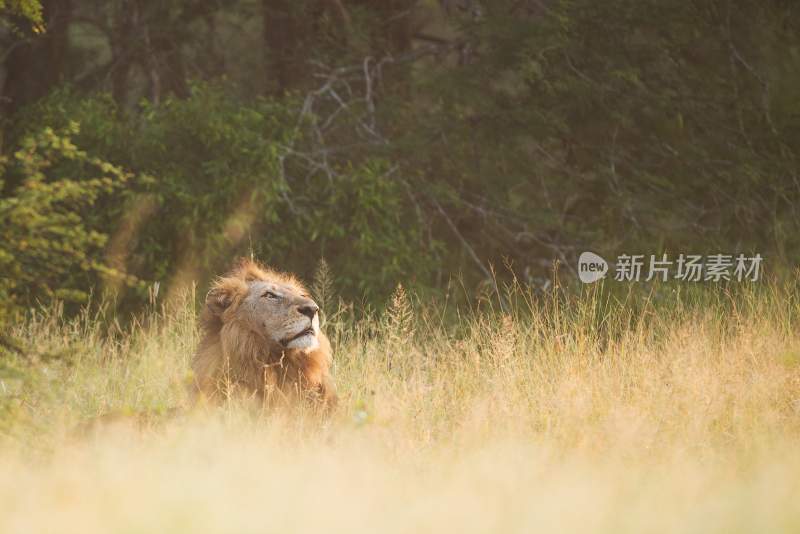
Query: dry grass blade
[{"x": 580, "y": 414}]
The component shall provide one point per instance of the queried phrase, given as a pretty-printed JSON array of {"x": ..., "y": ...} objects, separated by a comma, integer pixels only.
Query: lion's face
[{"x": 281, "y": 313}]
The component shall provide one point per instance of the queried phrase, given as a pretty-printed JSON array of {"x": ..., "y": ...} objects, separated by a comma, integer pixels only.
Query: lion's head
[
  {"x": 262, "y": 334},
  {"x": 274, "y": 306}
]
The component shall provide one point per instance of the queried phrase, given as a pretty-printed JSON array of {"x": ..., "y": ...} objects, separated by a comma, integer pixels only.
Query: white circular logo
[{"x": 591, "y": 267}]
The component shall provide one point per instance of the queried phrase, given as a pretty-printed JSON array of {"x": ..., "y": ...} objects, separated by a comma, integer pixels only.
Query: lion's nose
[{"x": 309, "y": 310}]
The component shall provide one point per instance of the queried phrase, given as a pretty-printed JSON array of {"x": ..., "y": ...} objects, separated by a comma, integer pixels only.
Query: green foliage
[
  {"x": 28, "y": 10},
  {"x": 47, "y": 249},
  {"x": 224, "y": 185},
  {"x": 364, "y": 225},
  {"x": 409, "y": 141},
  {"x": 619, "y": 125}
]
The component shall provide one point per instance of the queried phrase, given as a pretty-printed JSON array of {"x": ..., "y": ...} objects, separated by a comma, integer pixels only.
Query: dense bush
[
  {"x": 222, "y": 186},
  {"x": 48, "y": 244}
]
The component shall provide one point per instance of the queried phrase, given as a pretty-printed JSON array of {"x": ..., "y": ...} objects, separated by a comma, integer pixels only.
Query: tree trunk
[
  {"x": 122, "y": 50},
  {"x": 281, "y": 36}
]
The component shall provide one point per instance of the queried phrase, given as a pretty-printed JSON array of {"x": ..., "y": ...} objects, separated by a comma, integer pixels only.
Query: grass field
[{"x": 677, "y": 411}]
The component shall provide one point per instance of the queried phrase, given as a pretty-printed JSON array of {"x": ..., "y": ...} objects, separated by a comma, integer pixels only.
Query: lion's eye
[{"x": 270, "y": 295}]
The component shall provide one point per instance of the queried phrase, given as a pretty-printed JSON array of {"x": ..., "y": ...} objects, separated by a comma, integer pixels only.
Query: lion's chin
[{"x": 306, "y": 342}]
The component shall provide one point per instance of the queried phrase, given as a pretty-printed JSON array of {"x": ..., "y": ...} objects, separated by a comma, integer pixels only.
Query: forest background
[{"x": 144, "y": 144}]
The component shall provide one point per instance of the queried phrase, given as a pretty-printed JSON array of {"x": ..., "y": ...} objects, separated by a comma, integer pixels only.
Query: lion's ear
[
  {"x": 224, "y": 295},
  {"x": 218, "y": 301}
]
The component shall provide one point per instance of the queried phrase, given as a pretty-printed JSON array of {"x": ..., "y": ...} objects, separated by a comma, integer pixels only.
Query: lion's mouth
[{"x": 307, "y": 332}]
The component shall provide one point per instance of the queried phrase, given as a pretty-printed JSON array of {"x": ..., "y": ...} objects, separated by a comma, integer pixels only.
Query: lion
[{"x": 261, "y": 337}]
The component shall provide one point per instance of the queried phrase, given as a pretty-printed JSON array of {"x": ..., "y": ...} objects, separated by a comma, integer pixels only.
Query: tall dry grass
[{"x": 672, "y": 411}]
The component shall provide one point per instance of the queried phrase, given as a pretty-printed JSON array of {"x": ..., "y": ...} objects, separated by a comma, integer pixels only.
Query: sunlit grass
[{"x": 675, "y": 410}]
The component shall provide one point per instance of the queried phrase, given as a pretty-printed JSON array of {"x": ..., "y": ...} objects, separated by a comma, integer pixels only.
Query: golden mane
[{"x": 233, "y": 358}]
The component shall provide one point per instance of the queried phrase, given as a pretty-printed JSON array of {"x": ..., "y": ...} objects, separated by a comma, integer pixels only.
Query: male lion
[{"x": 262, "y": 338}]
